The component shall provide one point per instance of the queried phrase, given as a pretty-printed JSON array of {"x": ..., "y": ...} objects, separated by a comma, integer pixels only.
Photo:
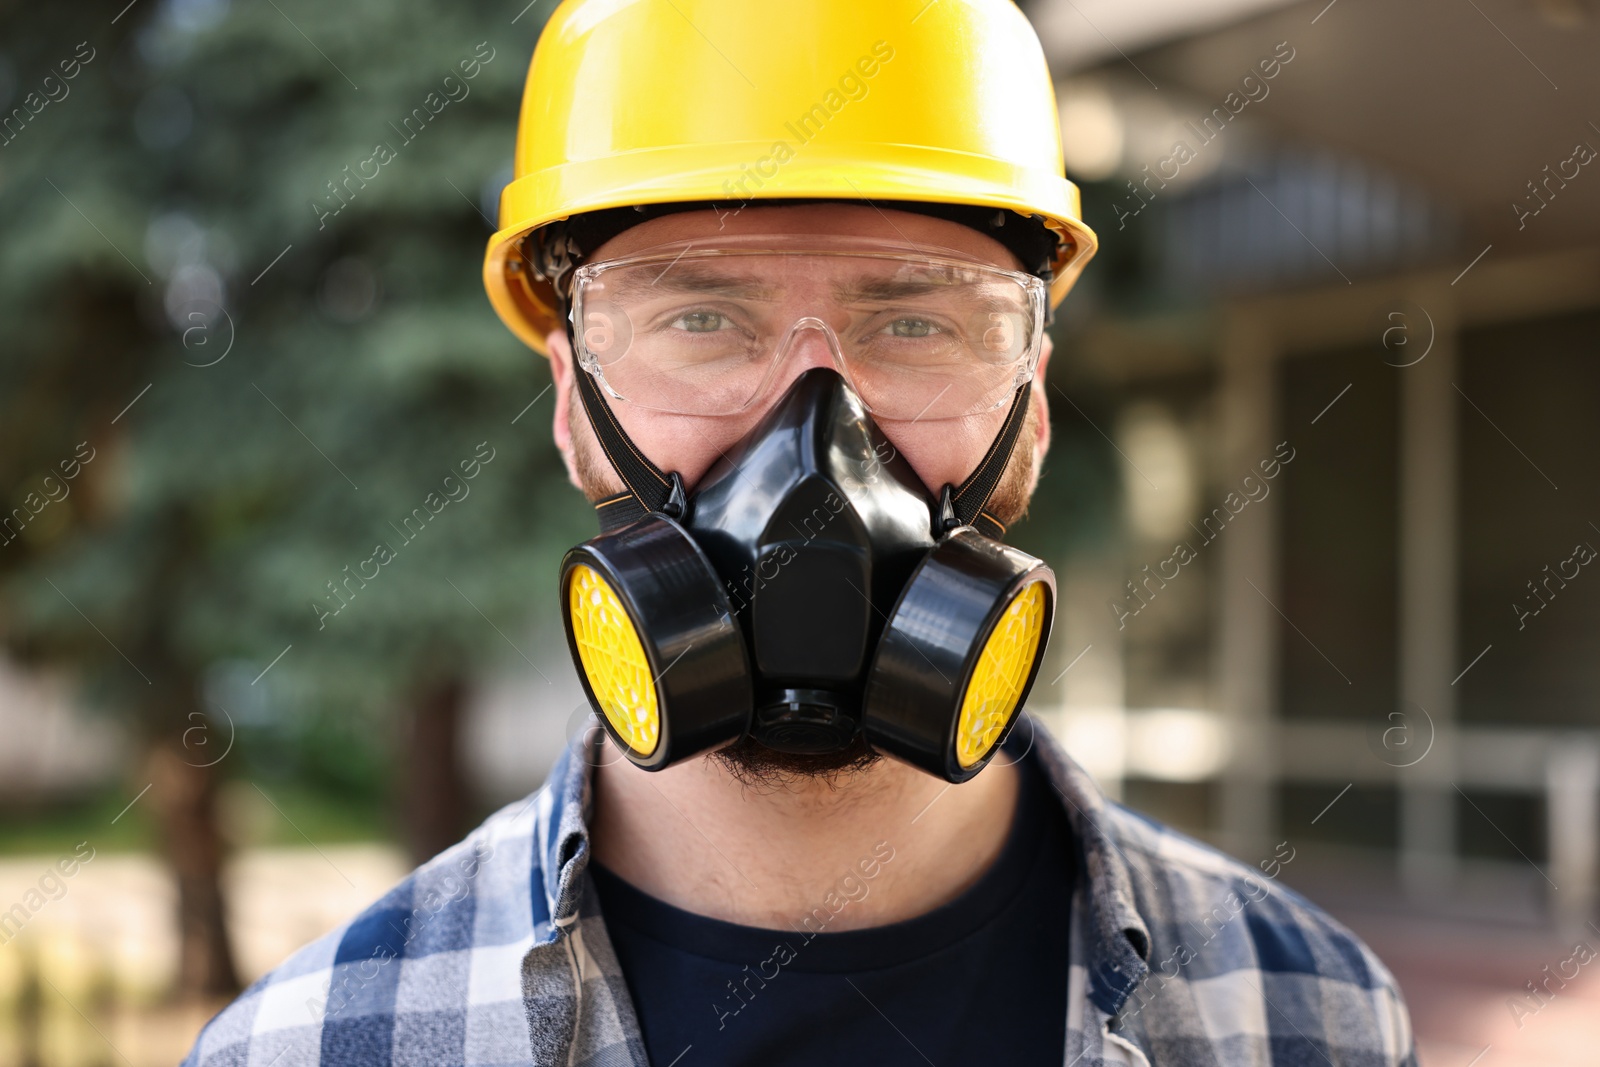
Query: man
[{"x": 791, "y": 266}]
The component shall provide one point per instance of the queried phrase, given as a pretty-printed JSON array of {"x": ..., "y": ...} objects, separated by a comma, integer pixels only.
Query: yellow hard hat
[{"x": 637, "y": 102}]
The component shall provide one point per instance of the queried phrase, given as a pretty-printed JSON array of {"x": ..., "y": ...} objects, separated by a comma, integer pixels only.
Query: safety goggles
[{"x": 705, "y": 327}]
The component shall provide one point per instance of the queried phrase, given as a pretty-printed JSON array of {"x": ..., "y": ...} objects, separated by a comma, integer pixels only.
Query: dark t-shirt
[{"x": 982, "y": 979}]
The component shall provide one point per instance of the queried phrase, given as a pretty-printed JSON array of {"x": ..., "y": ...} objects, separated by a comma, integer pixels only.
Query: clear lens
[{"x": 704, "y": 330}]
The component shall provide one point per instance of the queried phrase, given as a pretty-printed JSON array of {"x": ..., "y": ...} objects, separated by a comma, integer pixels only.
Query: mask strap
[
  {"x": 968, "y": 501},
  {"x": 649, "y": 487}
]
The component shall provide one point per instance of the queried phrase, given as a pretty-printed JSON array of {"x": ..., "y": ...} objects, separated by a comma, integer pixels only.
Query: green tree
[{"x": 261, "y": 226}]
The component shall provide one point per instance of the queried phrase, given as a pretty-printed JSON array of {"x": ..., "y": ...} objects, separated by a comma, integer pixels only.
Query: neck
[{"x": 881, "y": 845}]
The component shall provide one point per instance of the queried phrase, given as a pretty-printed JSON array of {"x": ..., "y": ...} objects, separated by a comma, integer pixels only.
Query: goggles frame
[{"x": 781, "y": 341}]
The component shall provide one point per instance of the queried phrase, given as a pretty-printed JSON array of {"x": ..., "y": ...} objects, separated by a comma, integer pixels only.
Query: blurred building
[
  {"x": 54, "y": 745},
  {"x": 1341, "y": 338}
]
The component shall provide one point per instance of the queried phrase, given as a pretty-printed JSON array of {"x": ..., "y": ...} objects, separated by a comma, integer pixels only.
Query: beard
[
  {"x": 746, "y": 759},
  {"x": 751, "y": 763}
]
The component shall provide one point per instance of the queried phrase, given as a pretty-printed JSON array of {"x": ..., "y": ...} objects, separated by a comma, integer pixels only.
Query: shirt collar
[
  {"x": 565, "y": 852},
  {"x": 1117, "y": 957}
]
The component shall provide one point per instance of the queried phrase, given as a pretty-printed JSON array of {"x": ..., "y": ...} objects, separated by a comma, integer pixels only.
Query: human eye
[
  {"x": 701, "y": 320},
  {"x": 912, "y": 327},
  {"x": 908, "y": 333}
]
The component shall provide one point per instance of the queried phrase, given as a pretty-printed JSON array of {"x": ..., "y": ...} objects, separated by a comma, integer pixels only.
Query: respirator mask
[{"x": 810, "y": 589}]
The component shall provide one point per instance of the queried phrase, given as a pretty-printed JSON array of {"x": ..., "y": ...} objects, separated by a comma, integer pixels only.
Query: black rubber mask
[{"x": 810, "y": 589}]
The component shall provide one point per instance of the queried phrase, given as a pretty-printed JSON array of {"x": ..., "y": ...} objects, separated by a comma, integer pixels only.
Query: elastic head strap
[
  {"x": 649, "y": 487},
  {"x": 967, "y": 502}
]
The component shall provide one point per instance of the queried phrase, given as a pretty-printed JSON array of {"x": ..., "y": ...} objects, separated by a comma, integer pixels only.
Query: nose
[{"x": 810, "y": 343}]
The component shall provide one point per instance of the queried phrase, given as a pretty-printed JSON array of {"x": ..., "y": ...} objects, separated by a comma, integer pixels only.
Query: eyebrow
[
  {"x": 875, "y": 291},
  {"x": 691, "y": 278},
  {"x": 870, "y": 290},
  {"x": 867, "y": 289}
]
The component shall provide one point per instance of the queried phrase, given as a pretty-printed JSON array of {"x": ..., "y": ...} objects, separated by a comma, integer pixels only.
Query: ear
[
  {"x": 561, "y": 383},
  {"x": 1041, "y": 443}
]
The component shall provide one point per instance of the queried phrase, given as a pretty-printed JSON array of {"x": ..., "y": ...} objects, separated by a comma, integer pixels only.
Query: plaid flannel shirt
[{"x": 495, "y": 953}]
